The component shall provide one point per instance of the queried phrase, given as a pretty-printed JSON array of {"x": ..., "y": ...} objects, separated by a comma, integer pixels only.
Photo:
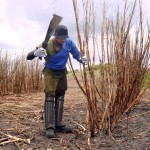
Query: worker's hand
[
  {"x": 84, "y": 60},
  {"x": 40, "y": 52}
]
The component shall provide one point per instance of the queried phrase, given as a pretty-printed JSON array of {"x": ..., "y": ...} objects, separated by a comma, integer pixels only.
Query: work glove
[
  {"x": 40, "y": 52},
  {"x": 83, "y": 60}
]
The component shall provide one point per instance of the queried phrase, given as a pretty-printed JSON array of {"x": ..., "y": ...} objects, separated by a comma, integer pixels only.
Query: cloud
[
  {"x": 23, "y": 23},
  {"x": 2, "y": 10},
  {"x": 20, "y": 34},
  {"x": 17, "y": 31}
]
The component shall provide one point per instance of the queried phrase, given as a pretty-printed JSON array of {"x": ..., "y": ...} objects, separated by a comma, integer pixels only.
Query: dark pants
[
  {"x": 55, "y": 87},
  {"x": 55, "y": 82}
]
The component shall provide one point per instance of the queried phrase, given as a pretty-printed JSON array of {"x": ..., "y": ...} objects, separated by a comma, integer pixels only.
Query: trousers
[{"x": 54, "y": 81}]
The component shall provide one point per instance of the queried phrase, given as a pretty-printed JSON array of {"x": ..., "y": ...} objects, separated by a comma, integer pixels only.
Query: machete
[{"x": 51, "y": 28}]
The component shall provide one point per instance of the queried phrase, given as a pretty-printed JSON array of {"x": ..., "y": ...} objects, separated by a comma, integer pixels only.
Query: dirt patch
[{"x": 21, "y": 116}]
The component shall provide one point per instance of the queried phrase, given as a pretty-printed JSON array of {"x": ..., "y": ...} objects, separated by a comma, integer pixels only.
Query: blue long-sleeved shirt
[{"x": 59, "y": 60}]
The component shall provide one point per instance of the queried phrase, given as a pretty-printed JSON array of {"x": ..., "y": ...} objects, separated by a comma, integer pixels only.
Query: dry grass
[
  {"x": 119, "y": 84},
  {"x": 18, "y": 76},
  {"x": 123, "y": 59}
]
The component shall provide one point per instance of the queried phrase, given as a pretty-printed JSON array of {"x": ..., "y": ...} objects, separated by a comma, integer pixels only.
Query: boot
[
  {"x": 59, "y": 125},
  {"x": 49, "y": 112}
]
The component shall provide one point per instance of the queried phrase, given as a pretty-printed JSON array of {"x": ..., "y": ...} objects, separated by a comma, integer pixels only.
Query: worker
[{"x": 56, "y": 52}]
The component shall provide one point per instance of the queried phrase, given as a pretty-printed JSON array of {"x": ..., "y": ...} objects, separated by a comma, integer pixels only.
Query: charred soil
[{"x": 22, "y": 124}]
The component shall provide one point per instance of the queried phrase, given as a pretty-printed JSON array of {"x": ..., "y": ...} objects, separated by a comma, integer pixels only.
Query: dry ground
[{"x": 21, "y": 117}]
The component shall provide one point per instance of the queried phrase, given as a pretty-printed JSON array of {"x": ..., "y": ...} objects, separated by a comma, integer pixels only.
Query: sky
[{"x": 23, "y": 23}]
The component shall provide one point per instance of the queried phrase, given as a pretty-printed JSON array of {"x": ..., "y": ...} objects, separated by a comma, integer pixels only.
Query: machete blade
[{"x": 52, "y": 26}]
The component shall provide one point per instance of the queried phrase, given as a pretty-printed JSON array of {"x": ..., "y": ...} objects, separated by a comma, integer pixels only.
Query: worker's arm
[{"x": 38, "y": 52}]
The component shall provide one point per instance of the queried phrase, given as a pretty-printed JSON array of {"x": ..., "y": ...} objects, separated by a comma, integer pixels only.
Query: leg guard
[
  {"x": 59, "y": 104},
  {"x": 59, "y": 126},
  {"x": 49, "y": 118}
]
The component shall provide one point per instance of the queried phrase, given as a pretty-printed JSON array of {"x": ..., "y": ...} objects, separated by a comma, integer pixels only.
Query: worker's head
[{"x": 61, "y": 33}]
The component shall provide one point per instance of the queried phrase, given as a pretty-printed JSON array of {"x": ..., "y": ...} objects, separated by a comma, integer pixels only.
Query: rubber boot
[
  {"x": 49, "y": 118},
  {"x": 59, "y": 125}
]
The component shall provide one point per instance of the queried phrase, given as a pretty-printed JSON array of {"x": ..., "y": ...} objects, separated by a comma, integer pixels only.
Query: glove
[
  {"x": 84, "y": 60},
  {"x": 40, "y": 52}
]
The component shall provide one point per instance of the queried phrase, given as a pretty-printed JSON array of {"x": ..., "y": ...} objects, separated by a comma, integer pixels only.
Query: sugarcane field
[
  {"x": 100, "y": 101},
  {"x": 22, "y": 124}
]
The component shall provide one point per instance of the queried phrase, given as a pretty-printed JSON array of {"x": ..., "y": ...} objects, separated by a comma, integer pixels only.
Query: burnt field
[{"x": 22, "y": 124}]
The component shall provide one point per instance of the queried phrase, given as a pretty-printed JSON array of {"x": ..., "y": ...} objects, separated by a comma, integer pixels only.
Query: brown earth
[{"x": 21, "y": 116}]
